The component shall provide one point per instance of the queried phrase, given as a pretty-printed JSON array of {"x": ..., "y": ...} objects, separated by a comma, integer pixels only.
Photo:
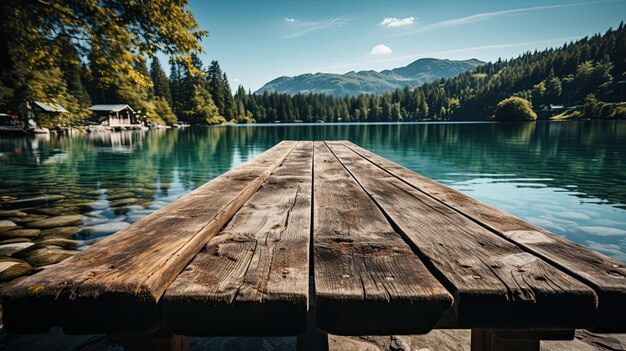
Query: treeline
[{"x": 590, "y": 67}]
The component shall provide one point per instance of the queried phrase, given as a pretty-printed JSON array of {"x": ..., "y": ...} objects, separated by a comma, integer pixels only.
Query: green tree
[
  {"x": 514, "y": 109},
  {"x": 203, "y": 109},
  {"x": 160, "y": 81},
  {"x": 113, "y": 34},
  {"x": 164, "y": 111},
  {"x": 590, "y": 106}
]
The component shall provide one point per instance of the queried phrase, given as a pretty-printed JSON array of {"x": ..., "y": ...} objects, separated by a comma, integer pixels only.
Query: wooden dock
[{"x": 326, "y": 236}]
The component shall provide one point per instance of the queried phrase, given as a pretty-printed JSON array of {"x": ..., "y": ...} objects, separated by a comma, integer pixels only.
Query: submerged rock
[
  {"x": 63, "y": 232},
  {"x": 6, "y": 225},
  {"x": 99, "y": 204},
  {"x": 20, "y": 233},
  {"x": 48, "y": 255},
  {"x": 44, "y": 199},
  {"x": 54, "y": 211},
  {"x": 10, "y": 249},
  {"x": 127, "y": 201},
  {"x": 105, "y": 228},
  {"x": 14, "y": 240},
  {"x": 12, "y": 213},
  {"x": 602, "y": 231},
  {"x": 11, "y": 268},
  {"x": 29, "y": 218},
  {"x": 52, "y": 222},
  {"x": 117, "y": 196},
  {"x": 61, "y": 242},
  {"x": 93, "y": 220}
]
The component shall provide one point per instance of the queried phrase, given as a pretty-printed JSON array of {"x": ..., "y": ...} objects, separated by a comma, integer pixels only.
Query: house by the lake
[
  {"x": 39, "y": 111},
  {"x": 119, "y": 115}
]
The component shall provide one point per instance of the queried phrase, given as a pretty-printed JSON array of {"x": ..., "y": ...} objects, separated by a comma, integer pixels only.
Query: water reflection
[{"x": 566, "y": 177}]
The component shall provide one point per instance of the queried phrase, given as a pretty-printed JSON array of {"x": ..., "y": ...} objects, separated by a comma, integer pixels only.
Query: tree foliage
[
  {"x": 514, "y": 109},
  {"x": 39, "y": 39}
]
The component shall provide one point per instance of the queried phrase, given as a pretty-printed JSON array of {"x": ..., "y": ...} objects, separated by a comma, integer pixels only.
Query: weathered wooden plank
[
  {"x": 367, "y": 279},
  {"x": 253, "y": 277},
  {"x": 494, "y": 282},
  {"x": 116, "y": 284},
  {"x": 605, "y": 275}
]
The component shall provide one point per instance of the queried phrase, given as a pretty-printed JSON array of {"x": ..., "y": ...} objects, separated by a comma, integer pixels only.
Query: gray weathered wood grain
[
  {"x": 255, "y": 273},
  {"x": 367, "y": 279}
]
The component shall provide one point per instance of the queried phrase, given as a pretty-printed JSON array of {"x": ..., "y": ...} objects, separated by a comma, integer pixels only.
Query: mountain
[{"x": 370, "y": 82}]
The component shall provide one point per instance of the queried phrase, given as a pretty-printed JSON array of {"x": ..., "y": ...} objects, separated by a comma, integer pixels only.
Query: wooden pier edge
[
  {"x": 121, "y": 283},
  {"x": 388, "y": 252},
  {"x": 604, "y": 275}
]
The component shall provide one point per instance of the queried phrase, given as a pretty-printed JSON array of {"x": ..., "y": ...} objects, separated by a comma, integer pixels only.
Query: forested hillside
[{"x": 586, "y": 71}]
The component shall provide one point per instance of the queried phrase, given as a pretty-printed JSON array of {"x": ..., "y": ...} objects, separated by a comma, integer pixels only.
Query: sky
[{"x": 257, "y": 41}]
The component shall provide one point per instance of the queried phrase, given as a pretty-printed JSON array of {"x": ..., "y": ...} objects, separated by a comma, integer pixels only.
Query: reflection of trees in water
[{"x": 586, "y": 154}]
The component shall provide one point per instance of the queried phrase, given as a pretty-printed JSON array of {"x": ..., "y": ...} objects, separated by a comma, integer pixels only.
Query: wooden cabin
[
  {"x": 120, "y": 115},
  {"x": 45, "y": 111}
]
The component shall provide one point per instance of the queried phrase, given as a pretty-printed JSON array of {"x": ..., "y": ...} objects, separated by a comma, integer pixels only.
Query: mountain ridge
[{"x": 354, "y": 83}]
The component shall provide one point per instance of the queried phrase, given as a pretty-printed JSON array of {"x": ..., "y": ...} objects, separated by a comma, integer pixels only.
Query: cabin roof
[
  {"x": 50, "y": 107},
  {"x": 110, "y": 108}
]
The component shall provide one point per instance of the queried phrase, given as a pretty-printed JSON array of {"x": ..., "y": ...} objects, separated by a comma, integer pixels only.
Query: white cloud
[
  {"x": 480, "y": 17},
  {"x": 300, "y": 28},
  {"x": 381, "y": 49},
  {"x": 397, "y": 22},
  {"x": 290, "y": 20},
  {"x": 439, "y": 54}
]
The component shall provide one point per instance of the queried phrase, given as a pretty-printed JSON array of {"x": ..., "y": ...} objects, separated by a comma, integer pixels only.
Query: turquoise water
[{"x": 568, "y": 177}]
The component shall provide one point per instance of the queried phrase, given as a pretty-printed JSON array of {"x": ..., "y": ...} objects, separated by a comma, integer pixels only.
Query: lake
[{"x": 568, "y": 177}]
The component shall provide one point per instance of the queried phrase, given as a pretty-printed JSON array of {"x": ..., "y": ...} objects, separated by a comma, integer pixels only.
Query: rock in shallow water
[
  {"x": 20, "y": 233},
  {"x": 105, "y": 229},
  {"x": 93, "y": 220},
  {"x": 29, "y": 218},
  {"x": 122, "y": 202},
  {"x": 6, "y": 225},
  {"x": 11, "y": 268},
  {"x": 52, "y": 222},
  {"x": 602, "y": 231},
  {"x": 117, "y": 196},
  {"x": 14, "y": 240},
  {"x": 35, "y": 200},
  {"x": 12, "y": 213},
  {"x": 54, "y": 211},
  {"x": 99, "y": 204},
  {"x": 48, "y": 255},
  {"x": 10, "y": 249},
  {"x": 62, "y": 232},
  {"x": 61, "y": 242}
]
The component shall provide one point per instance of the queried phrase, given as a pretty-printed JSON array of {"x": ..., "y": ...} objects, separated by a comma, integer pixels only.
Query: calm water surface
[{"x": 568, "y": 177}]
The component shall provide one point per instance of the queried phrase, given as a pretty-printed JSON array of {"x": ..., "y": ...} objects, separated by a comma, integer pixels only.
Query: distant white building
[
  {"x": 120, "y": 115},
  {"x": 556, "y": 107}
]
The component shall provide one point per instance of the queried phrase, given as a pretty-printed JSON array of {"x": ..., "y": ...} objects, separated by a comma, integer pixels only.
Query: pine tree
[{"x": 160, "y": 81}]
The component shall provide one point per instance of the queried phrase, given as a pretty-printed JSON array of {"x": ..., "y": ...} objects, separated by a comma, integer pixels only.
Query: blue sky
[{"x": 257, "y": 41}]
